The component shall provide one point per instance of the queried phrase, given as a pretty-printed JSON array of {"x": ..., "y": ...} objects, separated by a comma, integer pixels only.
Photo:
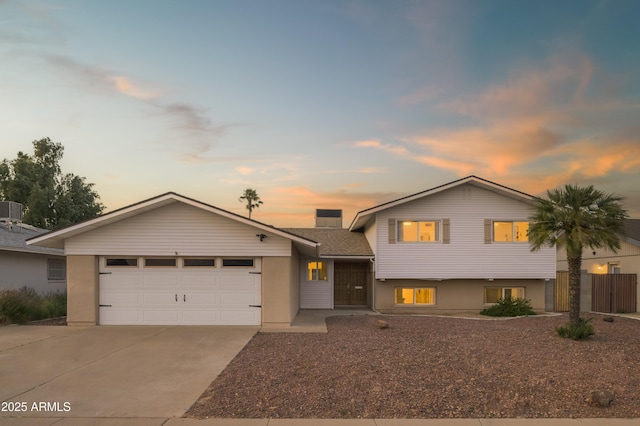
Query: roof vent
[
  {"x": 326, "y": 218},
  {"x": 10, "y": 211}
]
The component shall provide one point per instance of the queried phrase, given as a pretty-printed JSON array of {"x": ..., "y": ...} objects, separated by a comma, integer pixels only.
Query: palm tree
[
  {"x": 577, "y": 217},
  {"x": 250, "y": 196}
]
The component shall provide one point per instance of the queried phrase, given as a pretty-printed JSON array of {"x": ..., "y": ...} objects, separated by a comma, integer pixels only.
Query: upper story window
[
  {"x": 418, "y": 231},
  {"x": 510, "y": 231},
  {"x": 316, "y": 271}
]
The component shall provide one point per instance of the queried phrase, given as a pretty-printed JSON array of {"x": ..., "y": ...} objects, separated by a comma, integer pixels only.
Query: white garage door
[{"x": 179, "y": 291}]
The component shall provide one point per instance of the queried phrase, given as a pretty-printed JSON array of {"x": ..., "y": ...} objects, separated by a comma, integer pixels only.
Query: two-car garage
[
  {"x": 173, "y": 260},
  {"x": 137, "y": 290}
]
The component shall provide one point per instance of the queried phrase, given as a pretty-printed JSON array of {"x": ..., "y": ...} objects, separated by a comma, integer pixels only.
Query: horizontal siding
[
  {"x": 316, "y": 294},
  {"x": 466, "y": 256},
  {"x": 177, "y": 229}
]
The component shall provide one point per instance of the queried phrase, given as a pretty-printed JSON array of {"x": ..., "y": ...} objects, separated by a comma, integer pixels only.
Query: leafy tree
[
  {"x": 49, "y": 198},
  {"x": 250, "y": 196},
  {"x": 575, "y": 218}
]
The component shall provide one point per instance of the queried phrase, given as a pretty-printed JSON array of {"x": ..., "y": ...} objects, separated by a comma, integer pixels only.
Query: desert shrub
[
  {"x": 580, "y": 332},
  {"x": 54, "y": 305},
  {"x": 15, "y": 306},
  {"x": 19, "y": 306},
  {"x": 509, "y": 307}
]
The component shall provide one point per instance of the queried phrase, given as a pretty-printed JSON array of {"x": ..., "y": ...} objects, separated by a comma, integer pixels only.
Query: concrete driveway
[{"x": 111, "y": 371}]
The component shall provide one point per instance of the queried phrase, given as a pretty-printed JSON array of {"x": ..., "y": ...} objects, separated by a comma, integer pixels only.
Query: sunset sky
[{"x": 324, "y": 104}]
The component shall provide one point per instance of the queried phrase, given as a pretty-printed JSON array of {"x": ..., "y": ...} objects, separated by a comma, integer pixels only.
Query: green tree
[
  {"x": 575, "y": 218},
  {"x": 49, "y": 198},
  {"x": 250, "y": 196}
]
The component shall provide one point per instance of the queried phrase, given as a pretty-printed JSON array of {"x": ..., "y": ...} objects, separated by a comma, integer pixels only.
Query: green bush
[
  {"x": 580, "y": 332},
  {"x": 54, "y": 305},
  {"x": 19, "y": 306},
  {"x": 509, "y": 307}
]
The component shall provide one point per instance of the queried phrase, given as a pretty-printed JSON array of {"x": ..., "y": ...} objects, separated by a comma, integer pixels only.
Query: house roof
[
  {"x": 13, "y": 237},
  {"x": 56, "y": 238},
  {"x": 632, "y": 228},
  {"x": 336, "y": 242},
  {"x": 364, "y": 216}
]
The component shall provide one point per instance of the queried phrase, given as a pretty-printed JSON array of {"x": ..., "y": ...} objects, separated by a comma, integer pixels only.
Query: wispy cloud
[
  {"x": 201, "y": 132},
  {"x": 550, "y": 124}
]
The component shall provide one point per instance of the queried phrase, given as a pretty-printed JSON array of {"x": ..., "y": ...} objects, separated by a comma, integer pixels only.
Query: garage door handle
[
  {"x": 105, "y": 273},
  {"x": 255, "y": 306},
  {"x": 184, "y": 297},
  {"x": 105, "y": 306},
  {"x": 176, "y": 297}
]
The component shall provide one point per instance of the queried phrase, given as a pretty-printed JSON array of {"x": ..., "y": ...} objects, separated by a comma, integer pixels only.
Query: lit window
[
  {"x": 510, "y": 232},
  {"x": 56, "y": 270},
  {"x": 492, "y": 294},
  {"x": 316, "y": 271},
  {"x": 418, "y": 231},
  {"x": 415, "y": 296}
]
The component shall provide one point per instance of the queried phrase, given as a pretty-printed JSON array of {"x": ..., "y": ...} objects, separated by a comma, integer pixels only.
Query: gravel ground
[{"x": 430, "y": 367}]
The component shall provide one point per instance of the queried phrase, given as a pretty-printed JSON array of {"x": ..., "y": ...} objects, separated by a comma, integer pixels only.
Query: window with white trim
[
  {"x": 510, "y": 232},
  {"x": 316, "y": 271},
  {"x": 493, "y": 294},
  {"x": 421, "y": 231},
  {"x": 414, "y": 296}
]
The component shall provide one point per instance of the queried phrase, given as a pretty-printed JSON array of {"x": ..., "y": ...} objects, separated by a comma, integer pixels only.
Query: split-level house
[{"x": 175, "y": 260}]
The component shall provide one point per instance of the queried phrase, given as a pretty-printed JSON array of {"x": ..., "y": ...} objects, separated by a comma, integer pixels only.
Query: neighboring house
[
  {"x": 22, "y": 265},
  {"x": 602, "y": 261},
  {"x": 455, "y": 247},
  {"x": 175, "y": 260}
]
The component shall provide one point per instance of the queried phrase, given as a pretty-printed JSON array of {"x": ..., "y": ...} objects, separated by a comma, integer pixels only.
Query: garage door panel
[
  {"x": 199, "y": 281},
  {"x": 239, "y": 299},
  {"x": 161, "y": 298},
  {"x": 156, "y": 280},
  {"x": 193, "y": 298},
  {"x": 122, "y": 297},
  {"x": 161, "y": 317}
]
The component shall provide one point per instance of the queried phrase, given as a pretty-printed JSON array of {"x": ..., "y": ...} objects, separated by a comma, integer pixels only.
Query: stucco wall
[
  {"x": 19, "y": 270},
  {"x": 454, "y": 295},
  {"x": 82, "y": 290},
  {"x": 280, "y": 289}
]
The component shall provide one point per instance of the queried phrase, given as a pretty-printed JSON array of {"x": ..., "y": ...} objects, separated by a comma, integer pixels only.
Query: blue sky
[{"x": 324, "y": 104}]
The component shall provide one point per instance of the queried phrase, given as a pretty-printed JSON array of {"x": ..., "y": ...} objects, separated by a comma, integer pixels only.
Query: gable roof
[
  {"x": 13, "y": 237},
  {"x": 363, "y": 216},
  {"x": 336, "y": 242},
  {"x": 56, "y": 238}
]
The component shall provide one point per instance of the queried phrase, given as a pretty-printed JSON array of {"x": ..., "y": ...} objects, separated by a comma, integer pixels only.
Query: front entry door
[{"x": 350, "y": 284}]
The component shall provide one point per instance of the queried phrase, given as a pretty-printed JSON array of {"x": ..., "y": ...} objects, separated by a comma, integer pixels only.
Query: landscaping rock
[
  {"x": 602, "y": 398},
  {"x": 382, "y": 324},
  {"x": 607, "y": 319}
]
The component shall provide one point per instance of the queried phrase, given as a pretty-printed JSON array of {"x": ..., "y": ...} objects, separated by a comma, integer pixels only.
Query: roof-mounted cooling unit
[{"x": 10, "y": 211}]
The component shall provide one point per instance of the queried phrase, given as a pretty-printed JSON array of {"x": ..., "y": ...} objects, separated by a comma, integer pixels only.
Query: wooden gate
[
  {"x": 614, "y": 293},
  {"x": 561, "y": 292}
]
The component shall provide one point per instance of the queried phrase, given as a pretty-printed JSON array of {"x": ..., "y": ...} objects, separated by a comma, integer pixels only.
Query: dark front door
[{"x": 350, "y": 284}]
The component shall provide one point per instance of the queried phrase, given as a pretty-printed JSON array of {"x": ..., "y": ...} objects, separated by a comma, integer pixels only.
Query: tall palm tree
[
  {"x": 250, "y": 196},
  {"x": 577, "y": 217}
]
